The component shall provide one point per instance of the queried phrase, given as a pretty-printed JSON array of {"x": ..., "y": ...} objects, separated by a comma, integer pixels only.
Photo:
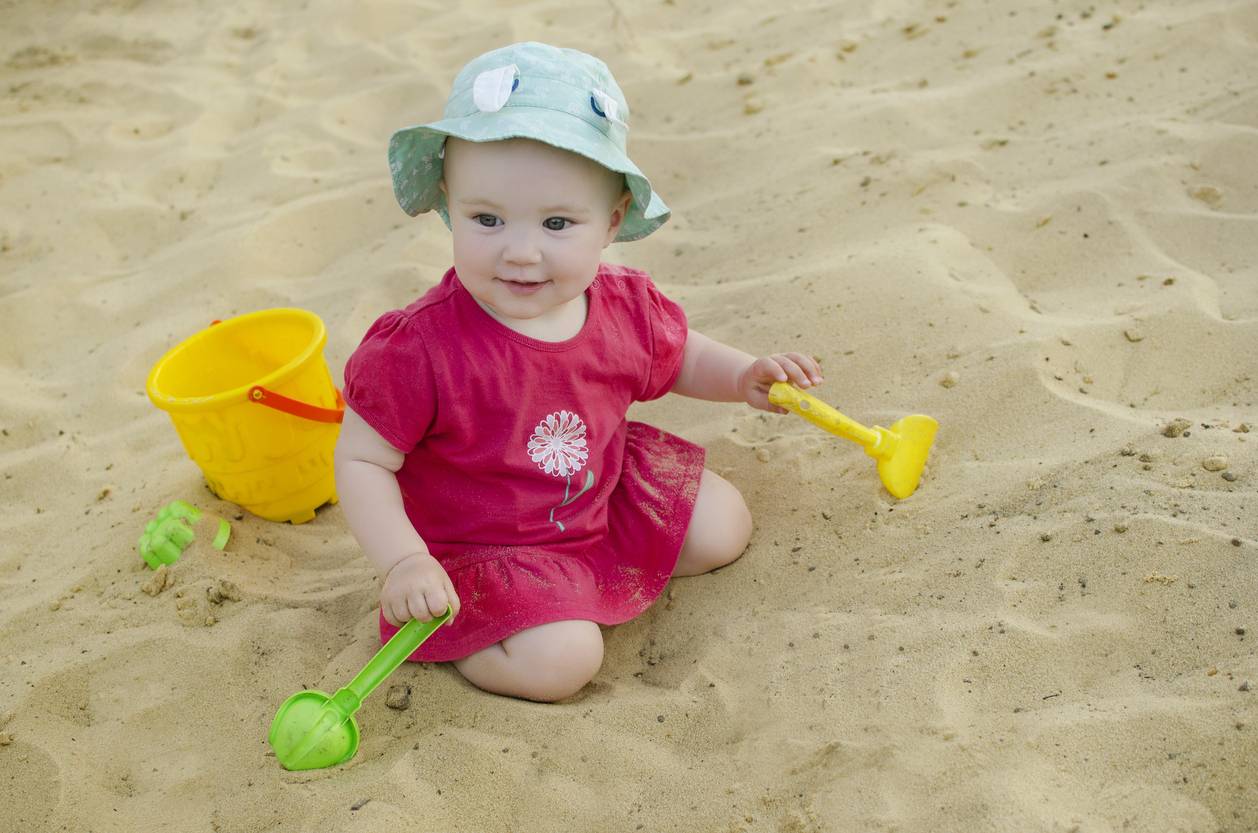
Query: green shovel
[{"x": 312, "y": 730}]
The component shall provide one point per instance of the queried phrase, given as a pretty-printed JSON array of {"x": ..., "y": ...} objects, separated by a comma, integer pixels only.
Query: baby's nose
[{"x": 522, "y": 247}]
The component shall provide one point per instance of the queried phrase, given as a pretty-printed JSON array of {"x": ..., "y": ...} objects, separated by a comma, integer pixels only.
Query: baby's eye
[
  {"x": 556, "y": 223},
  {"x": 486, "y": 220}
]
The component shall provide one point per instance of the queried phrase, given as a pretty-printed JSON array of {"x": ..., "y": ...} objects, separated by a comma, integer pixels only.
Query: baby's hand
[
  {"x": 755, "y": 381},
  {"x": 417, "y": 587}
]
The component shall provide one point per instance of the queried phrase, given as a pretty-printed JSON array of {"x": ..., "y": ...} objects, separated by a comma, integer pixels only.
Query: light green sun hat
[{"x": 562, "y": 97}]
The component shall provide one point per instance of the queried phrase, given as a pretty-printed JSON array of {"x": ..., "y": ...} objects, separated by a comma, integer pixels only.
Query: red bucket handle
[{"x": 271, "y": 399}]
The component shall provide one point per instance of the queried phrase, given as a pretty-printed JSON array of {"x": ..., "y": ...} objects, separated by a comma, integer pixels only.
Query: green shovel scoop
[{"x": 312, "y": 730}]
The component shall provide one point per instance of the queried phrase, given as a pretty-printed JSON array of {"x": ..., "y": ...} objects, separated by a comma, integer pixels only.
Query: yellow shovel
[{"x": 900, "y": 450}]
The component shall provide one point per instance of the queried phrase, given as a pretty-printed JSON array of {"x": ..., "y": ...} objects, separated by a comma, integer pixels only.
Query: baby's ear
[{"x": 618, "y": 217}]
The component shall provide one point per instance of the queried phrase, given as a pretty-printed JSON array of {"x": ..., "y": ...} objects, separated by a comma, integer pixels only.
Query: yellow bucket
[{"x": 255, "y": 407}]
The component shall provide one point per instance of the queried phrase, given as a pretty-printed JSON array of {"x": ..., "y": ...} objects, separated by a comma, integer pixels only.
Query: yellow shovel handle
[{"x": 822, "y": 415}]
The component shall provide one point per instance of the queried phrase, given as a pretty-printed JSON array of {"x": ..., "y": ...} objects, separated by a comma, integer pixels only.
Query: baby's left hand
[{"x": 755, "y": 381}]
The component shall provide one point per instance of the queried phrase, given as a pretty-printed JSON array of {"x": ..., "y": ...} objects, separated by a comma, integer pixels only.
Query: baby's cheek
[{"x": 471, "y": 251}]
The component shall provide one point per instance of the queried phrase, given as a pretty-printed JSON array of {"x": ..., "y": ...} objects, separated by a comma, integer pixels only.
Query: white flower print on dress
[
  {"x": 558, "y": 447},
  {"x": 558, "y": 444}
]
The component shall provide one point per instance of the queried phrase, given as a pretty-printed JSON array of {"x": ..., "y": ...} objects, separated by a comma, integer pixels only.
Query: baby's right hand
[{"x": 417, "y": 587}]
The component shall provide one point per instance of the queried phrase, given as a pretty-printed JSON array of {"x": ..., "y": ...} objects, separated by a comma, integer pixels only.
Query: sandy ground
[{"x": 1034, "y": 221}]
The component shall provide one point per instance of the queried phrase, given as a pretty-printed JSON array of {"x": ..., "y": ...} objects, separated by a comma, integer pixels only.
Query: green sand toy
[
  {"x": 312, "y": 730},
  {"x": 169, "y": 534}
]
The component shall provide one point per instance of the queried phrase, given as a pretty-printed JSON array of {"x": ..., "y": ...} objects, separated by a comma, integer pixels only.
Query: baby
[{"x": 485, "y": 458}]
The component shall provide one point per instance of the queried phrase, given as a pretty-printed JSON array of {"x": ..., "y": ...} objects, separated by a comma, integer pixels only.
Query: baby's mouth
[{"x": 523, "y": 287}]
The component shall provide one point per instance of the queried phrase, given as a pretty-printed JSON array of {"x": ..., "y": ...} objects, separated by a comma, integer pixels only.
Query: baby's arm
[
  {"x": 720, "y": 373},
  {"x": 415, "y": 585}
]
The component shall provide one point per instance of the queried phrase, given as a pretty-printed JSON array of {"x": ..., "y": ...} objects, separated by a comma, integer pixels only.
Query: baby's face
[{"x": 530, "y": 222}]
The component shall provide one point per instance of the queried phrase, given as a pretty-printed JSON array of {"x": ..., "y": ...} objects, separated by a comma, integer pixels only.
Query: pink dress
[{"x": 522, "y": 474}]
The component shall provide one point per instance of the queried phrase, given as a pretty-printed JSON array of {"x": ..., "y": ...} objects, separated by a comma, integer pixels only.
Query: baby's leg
[
  {"x": 546, "y": 663},
  {"x": 719, "y": 528}
]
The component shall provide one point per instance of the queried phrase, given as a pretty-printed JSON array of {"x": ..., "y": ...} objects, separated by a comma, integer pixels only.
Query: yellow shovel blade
[
  {"x": 899, "y": 450},
  {"x": 902, "y": 471}
]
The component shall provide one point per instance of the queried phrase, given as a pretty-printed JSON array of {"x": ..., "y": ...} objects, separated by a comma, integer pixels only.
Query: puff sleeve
[
  {"x": 666, "y": 325},
  {"x": 389, "y": 381}
]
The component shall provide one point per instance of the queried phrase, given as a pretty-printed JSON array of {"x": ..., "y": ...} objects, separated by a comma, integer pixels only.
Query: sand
[{"x": 1034, "y": 222}]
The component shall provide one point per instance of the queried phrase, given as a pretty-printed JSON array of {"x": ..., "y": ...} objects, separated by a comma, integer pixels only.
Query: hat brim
[{"x": 416, "y": 165}]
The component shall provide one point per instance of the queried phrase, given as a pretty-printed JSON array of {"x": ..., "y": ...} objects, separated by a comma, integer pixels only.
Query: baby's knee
[
  {"x": 727, "y": 537},
  {"x": 740, "y": 525},
  {"x": 546, "y": 663},
  {"x": 561, "y": 665}
]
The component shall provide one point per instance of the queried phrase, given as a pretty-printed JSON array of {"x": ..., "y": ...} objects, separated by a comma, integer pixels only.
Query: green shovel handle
[{"x": 387, "y": 659}]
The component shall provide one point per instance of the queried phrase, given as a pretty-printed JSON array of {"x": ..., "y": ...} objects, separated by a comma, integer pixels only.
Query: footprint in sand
[{"x": 30, "y": 789}]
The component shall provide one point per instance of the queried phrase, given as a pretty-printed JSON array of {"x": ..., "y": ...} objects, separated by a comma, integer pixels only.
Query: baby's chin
[{"x": 539, "y": 304}]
